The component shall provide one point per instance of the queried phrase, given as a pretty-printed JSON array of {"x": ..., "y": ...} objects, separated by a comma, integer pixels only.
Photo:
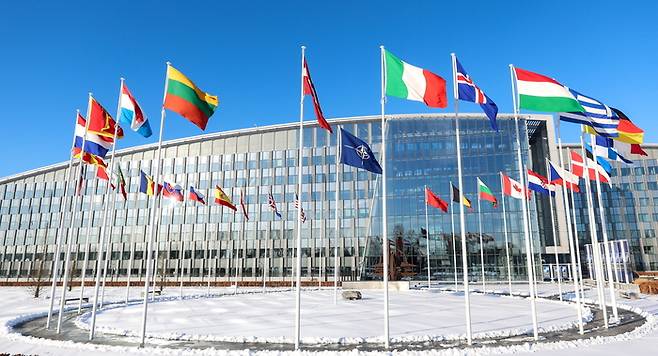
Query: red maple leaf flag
[
  {"x": 309, "y": 89},
  {"x": 511, "y": 187}
]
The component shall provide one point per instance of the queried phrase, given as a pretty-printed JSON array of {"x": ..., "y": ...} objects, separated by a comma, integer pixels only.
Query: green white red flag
[
  {"x": 541, "y": 93},
  {"x": 413, "y": 83}
]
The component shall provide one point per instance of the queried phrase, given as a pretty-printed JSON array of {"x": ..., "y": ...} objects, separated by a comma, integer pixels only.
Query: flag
[
  {"x": 309, "y": 89},
  {"x": 121, "y": 182},
  {"x": 101, "y": 173},
  {"x": 628, "y": 132},
  {"x": 512, "y": 188},
  {"x": 196, "y": 196},
  {"x": 468, "y": 91},
  {"x": 94, "y": 143},
  {"x": 577, "y": 167},
  {"x": 222, "y": 199},
  {"x": 356, "y": 153},
  {"x": 272, "y": 203},
  {"x": 102, "y": 123},
  {"x": 131, "y": 114},
  {"x": 147, "y": 185},
  {"x": 602, "y": 161},
  {"x": 186, "y": 99},
  {"x": 243, "y": 205},
  {"x": 560, "y": 176},
  {"x": 597, "y": 116},
  {"x": 605, "y": 147},
  {"x": 485, "y": 193},
  {"x": 412, "y": 83},
  {"x": 541, "y": 93},
  {"x": 172, "y": 192},
  {"x": 459, "y": 198},
  {"x": 81, "y": 181},
  {"x": 540, "y": 184},
  {"x": 301, "y": 210},
  {"x": 433, "y": 200}
]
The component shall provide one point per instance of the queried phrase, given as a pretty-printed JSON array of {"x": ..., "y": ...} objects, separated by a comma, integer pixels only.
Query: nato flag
[{"x": 356, "y": 152}]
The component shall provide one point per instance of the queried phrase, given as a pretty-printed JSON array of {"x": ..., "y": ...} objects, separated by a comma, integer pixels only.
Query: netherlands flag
[
  {"x": 540, "y": 184},
  {"x": 94, "y": 144},
  {"x": 132, "y": 114}
]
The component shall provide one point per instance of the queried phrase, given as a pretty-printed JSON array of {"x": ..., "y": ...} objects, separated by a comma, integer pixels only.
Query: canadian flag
[{"x": 512, "y": 188}]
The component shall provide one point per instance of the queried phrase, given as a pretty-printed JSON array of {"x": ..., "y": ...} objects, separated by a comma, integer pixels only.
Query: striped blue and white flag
[
  {"x": 605, "y": 147},
  {"x": 597, "y": 115}
]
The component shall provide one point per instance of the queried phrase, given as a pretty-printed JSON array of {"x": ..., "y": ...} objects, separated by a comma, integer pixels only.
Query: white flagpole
[
  {"x": 238, "y": 261},
  {"x": 65, "y": 208},
  {"x": 130, "y": 266},
  {"x": 108, "y": 247},
  {"x": 604, "y": 229},
  {"x": 69, "y": 239},
  {"x": 509, "y": 269},
  {"x": 153, "y": 214},
  {"x": 557, "y": 261},
  {"x": 298, "y": 258},
  {"x": 462, "y": 220},
  {"x": 594, "y": 239},
  {"x": 576, "y": 242},
  {"x": 103, "y": 232},
  {"x": 484, "y": 285},
  {"x": 384, "y": 197},
  {"x": 337, "y": 214},
  {"x": 427, "y": 241},
  {"x": 454, "y": 243},
  {"x": 528, "y": 245},
  {"x": 84, "y": 265}
]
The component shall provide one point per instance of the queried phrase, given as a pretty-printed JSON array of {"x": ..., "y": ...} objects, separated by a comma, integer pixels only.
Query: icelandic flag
[
  {"x": 468, "y": 91},
  {"x": 94, "y": 144},
  {"x": 132, "y": 114},
  {"x": 540, "y": 184},
  {"x": 597, "y": 115},
  {"x": 356, "y": 153},
  {"x": 560, "y": 176}
]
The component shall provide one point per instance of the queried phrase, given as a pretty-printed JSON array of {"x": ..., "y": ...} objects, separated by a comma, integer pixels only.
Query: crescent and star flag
[
  {"x": 598, "y": 116},
  {"x": 356, "y": 153},
  {"x": 132, "y": 115},
  {"x": 560, "y": 176},
  {"x": 309, "y": 89},
  {"x": 222, "y": 199},
  {"x": 540, "y": 184},
  {"x": 433, "y": 200},
  {"x": 468, "y": 91},
  {"x": 94, "y": 144},
  {"x": 513, "y": 188},
  {"x": 578, "y": 168},
  {"x": 187, "y": 100},
  {"x": 412, "y": 83},
  {"x": 172, "y": 192},
  {"x": 485, "y": 193},
  {"x": 243, "y": 206},
  {"x": 147, "y": 185},
  {"x": 196, "y": 196},
  {"x": 102, "y": 123},
  {"x": 298, "y": 207},
  {"x": 457, "y": 197},
  {"x": 272, "y": 203}
]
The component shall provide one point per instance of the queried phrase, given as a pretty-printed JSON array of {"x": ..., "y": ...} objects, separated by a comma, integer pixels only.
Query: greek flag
[{"x": 597, "y": 115}]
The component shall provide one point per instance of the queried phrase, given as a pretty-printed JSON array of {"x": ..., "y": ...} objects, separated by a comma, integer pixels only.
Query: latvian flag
[{"x": 540, "y": 184}]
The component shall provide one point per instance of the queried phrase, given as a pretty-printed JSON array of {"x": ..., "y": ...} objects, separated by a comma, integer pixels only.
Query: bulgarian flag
[
  {"x": 186, "y": 99},
  {"x": 541, "y": 93},
  {"x": 486, "y": 194},
  {"x": 412, "y": 83}
]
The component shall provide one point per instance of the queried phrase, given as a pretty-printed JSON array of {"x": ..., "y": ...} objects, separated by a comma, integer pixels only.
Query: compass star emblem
[{"x": 362, "y": 151}]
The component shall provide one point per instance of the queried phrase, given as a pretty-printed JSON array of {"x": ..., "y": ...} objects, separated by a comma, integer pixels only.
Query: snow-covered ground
[{"x": 269, "y": 315}]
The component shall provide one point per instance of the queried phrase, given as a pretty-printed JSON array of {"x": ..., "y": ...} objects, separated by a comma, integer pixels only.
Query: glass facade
[{"x": 196, "y": 242}]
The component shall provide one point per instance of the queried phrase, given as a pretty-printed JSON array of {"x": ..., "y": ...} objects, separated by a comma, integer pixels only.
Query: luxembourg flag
[
  {"x": 540, "y": 184},
  {"x": 132, "y": 114}
]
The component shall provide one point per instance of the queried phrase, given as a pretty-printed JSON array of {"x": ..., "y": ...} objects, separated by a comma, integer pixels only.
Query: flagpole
[
  {"x": 384, "y": 211},
  {"x": 576, "y": 243},
  {"x": 592, "y": 232},
  {"x": 108, "y": 248},
  {"x": 153, "y": 214},
  {"x": 69, "y": 239},
  {"x": 528, "y": 245},
  {"x": 484, "y": 285},
  {"x": 336, "y": 217},
  {"x": 557, "y": 261},
  {"x": 298, "y": 260},
  {"x": 462, "y": 220},
  {"x": 509, "y": 269},
  {"x": 427, "y": 240},
  {"x": 58, "y": 245},
  {"x": 454, "y": 244},
  {"x": 238, "y": 261},
  {"x": 84, "y": 264},
  {"x": 130, "y": 266},
  {"x": 604, "y": 229}
]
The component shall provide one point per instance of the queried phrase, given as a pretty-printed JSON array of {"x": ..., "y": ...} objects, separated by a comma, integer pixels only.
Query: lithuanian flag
[{"x": 186, "y": 99}]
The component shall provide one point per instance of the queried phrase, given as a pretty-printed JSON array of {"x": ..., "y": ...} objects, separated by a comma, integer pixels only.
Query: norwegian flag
[
  {"x": 468, "y": 91},
  {"x": 309, "y": 89},
  {"x": 243, "y": 205},
  {"x": 297, "y": 206},
  {"x": 272, "y": 203}
]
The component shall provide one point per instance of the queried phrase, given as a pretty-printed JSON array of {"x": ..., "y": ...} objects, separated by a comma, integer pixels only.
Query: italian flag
[
  {"x": 486, "y": 194},
  {"x": 541, "y": 93},
  {"x": 412, "y": 83}
]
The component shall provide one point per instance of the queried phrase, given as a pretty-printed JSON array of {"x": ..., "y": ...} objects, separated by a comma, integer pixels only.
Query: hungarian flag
[
  {"x": 578, "y": 168},
  {"x": 222, "y": 199},
  {"x": 457, "y": 197},
  {"x": 309, "y": 89},
  {"x": 485, "y": 193},
  {"x": 186, "y": 99},
  {"x": 433, "y": 200},
  {"x": 512, "y": 188},
  {"x": 243, "y": 206},
  {"x": 196, "y": 196},
  {"x": 541, "y": 93},
  {"x": 101, "y": 122},
  {"x": 412, "y": 83}
]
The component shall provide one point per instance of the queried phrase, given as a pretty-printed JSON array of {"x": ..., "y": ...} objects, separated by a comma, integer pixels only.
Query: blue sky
[{"x": 247, "y": 53}]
